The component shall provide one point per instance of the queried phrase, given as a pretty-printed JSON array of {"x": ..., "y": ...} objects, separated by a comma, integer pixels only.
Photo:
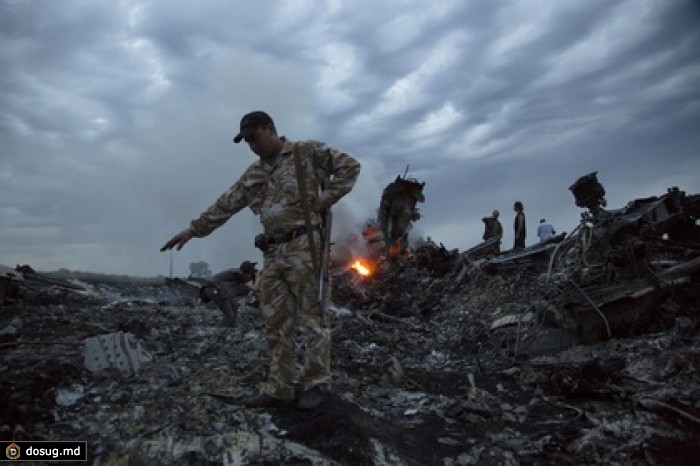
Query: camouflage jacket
[
  {"x": 271, "y": 189},
  {"x": 493, "y": 228}
]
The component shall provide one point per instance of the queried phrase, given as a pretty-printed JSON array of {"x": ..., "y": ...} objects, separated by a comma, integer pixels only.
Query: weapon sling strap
[{"x": 304, "y": 198}]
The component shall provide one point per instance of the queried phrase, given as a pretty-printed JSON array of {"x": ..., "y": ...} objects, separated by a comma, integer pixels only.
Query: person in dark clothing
[
  {"x": 227, "y": 288},
  {"x": 519, "y": 225},
  {"x": 493, "y": 229}
]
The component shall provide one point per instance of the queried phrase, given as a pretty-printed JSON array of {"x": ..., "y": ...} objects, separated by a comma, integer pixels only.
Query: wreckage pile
[{"x": 583, "y": 350}]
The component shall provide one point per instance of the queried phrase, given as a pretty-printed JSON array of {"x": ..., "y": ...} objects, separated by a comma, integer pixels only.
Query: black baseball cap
[{"x": 250, "y": 122}]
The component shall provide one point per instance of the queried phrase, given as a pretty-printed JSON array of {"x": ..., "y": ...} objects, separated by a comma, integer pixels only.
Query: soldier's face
[{"x": 262, "y": 142}]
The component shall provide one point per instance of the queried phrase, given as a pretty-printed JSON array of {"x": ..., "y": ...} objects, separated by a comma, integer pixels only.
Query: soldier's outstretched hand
[{"x": 178, "y": 240}]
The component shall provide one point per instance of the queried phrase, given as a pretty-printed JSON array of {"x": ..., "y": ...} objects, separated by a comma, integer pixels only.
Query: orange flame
[{"x": 362, "y": 268}]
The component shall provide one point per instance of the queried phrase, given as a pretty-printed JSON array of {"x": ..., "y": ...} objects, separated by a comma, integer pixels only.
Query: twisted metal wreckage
[
  {"x": 419, "y": 348},
  {"x": 605, "y": 279},
  {"x": 608, "y": 277}
]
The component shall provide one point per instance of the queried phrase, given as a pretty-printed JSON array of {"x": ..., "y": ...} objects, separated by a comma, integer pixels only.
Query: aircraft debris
[{"x": 582, "y": 351}]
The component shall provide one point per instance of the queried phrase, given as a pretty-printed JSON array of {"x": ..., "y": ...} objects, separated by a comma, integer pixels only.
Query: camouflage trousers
[{"x": 289, "y": 300}]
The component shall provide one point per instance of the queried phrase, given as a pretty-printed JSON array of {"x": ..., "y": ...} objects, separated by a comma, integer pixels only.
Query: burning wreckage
[
  {"x": 387, "y": 235},
  {"x": 580, "y": 350}
]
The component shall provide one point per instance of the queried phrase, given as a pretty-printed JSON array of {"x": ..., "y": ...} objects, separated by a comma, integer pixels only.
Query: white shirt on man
[{"x": 545, "y": 231}]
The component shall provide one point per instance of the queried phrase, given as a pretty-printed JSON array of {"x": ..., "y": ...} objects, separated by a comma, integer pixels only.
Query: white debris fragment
[
  {"x": 119, "y": 350},
  {"x": 68, "y": 396}
]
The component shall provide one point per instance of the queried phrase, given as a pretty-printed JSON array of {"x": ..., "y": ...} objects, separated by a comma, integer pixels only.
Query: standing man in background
[
  {"x": 493, "y": 229},
  {"x": 274, "y": 189},
  {"x": 519, "y": 225}
]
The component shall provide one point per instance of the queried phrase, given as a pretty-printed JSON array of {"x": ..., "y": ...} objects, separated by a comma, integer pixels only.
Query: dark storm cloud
[{"x": 116, "y": 118}]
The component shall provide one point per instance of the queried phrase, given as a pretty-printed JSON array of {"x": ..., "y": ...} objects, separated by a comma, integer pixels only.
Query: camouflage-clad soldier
[
  {"x": 493, "y": 229},
  {"x": 289, "y": 286}
]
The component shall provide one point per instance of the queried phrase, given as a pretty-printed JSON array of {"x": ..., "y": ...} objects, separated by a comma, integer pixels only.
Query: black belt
[{"x": 286, "y": 237}]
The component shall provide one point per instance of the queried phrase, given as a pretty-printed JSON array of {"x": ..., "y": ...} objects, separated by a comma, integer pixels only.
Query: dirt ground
[{"x": 419, "y": 378}]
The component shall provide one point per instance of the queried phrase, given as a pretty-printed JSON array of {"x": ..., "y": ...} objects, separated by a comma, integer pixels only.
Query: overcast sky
[{"x": 116, "y": 117}]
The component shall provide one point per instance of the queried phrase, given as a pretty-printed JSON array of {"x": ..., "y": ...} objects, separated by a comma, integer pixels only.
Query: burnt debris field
[{"x": 580, "y": 350}]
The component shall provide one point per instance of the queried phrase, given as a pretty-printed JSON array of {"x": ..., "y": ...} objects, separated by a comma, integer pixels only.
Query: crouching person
[{"x": 227, "y": 288}]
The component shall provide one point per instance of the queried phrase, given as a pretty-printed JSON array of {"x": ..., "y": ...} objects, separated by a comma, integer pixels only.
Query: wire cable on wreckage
[
  {"x": 590, "y": 301},
  {"x": 567, "y": 241}
]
